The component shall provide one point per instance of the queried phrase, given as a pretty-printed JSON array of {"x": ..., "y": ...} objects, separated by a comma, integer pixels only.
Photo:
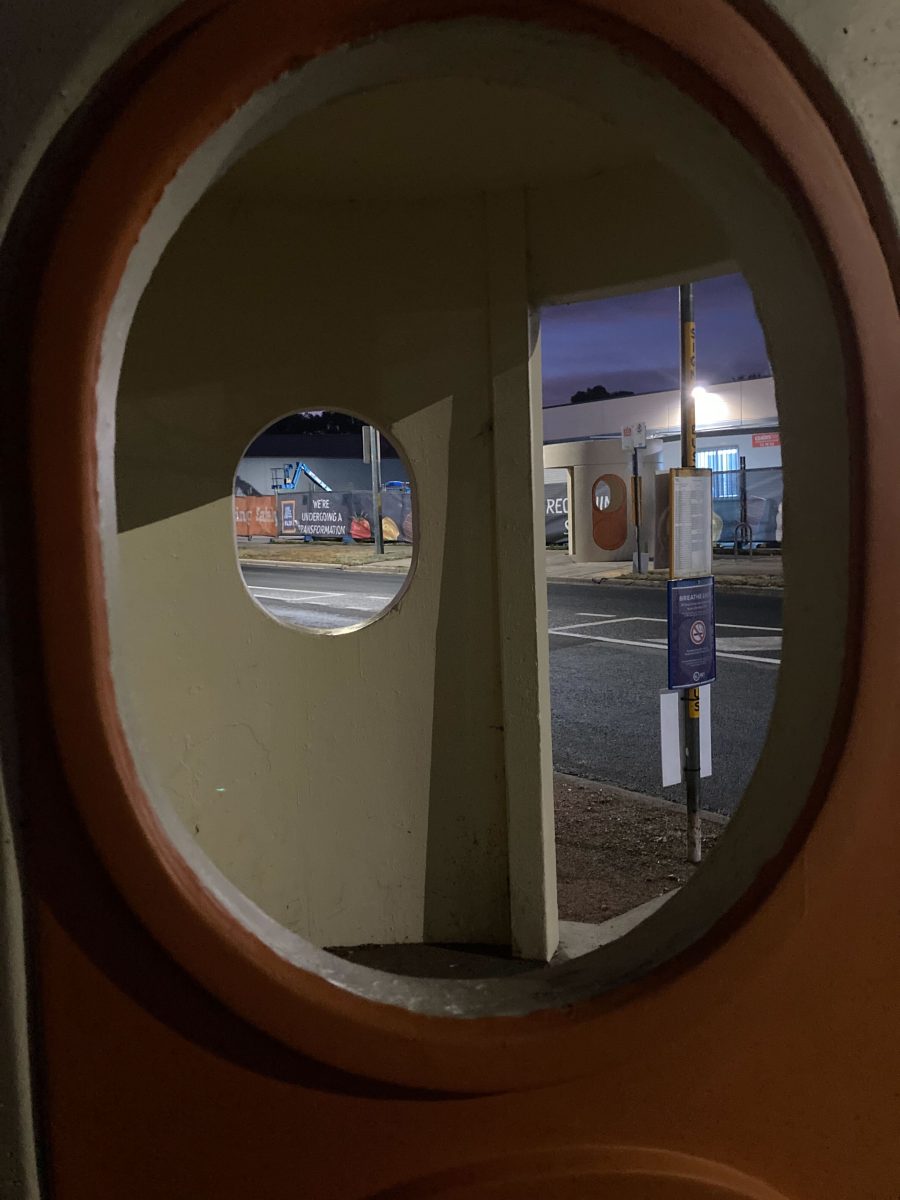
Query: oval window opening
[
  {"x": 602, "y": 495},
  {"x": 309, "y": 494},
  {"x": 404, "y": 235}
]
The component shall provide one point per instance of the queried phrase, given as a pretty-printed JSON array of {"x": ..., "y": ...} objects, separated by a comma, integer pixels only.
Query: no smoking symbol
[{"x": 698, "y": 633}]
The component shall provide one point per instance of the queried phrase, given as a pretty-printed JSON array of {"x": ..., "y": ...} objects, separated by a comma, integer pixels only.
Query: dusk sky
[{"x": 631, "y": 342}]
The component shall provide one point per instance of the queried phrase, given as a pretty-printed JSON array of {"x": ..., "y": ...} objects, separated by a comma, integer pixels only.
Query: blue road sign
[{"x": 692, "y": 632}]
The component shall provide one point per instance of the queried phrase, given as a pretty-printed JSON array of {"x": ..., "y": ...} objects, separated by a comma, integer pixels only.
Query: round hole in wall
[{"x": 309, "y": 493}]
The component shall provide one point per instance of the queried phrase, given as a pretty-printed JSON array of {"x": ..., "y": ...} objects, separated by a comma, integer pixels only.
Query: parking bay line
[
  {"x": 662, "y": 621},
  {"x": 656, "y": 645}
]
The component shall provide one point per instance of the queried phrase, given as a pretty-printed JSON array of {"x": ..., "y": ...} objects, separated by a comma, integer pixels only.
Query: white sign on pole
[
  {"x": 705, "y": 691},
  {"x": 670, "y": 736},
  {"x": 690, "y": 523},
  {"x": 634, "y": 436}
]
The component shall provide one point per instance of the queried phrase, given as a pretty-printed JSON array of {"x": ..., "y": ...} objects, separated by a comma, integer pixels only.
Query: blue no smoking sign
[{"x": 692, "y": 632}]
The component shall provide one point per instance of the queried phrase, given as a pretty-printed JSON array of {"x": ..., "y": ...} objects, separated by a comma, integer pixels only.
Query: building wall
[
  {"x": 750, "y": 404},
  {"x": 756, "y": 456}
]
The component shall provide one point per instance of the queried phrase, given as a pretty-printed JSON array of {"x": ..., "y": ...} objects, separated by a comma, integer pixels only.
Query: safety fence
[
  {"x": 324, "y": 515},
  {"x": 747, "y": 507}
]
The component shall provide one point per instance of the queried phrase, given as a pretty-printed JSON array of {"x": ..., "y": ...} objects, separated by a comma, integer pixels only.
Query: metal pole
[
  {"x": 636, "y": 500},
  {"x": 690, "y": 696},
  {"x": 375, "y": 444}
]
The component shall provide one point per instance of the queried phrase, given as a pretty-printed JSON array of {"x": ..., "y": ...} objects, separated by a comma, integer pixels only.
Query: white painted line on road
[
  {"x": 595, "y": 637},
  {"x": 587, "y": 624},
  {"x": 748, "y": 643},
  {"x": 761, "y": 628},
  {"x": 662, "y": 621},
  {"x": 655, "y": 644},
  {"x": 336, "y": 600},
  {"x": 259, "y": 590},
  {"x": 731, "y": 652}
]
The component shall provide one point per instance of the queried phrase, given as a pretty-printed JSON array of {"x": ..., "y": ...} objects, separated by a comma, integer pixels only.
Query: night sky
[{"x": 631, "y": 342}]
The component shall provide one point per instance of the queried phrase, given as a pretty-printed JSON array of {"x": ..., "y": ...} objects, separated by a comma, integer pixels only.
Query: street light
[{"x": 710, "y": 406}]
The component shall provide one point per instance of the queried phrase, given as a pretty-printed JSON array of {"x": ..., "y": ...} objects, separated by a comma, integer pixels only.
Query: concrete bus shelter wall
[
  {"x": 478, "y": 228},
  {"x": 214, "y": 355},
  {"x": 61, "y": 49},
  {"x": 317, "y": 770},
  {"x": 770, "y": 244},
  {"x": 324, "y": 774}
]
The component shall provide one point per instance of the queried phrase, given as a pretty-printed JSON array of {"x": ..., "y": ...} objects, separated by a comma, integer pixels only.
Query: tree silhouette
[
  {"x": 306, "y": 423},
  {"x": 597, "y": 392}
]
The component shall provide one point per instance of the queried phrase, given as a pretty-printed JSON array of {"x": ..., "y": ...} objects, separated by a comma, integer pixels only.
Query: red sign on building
[{"x": 766, "y": 439}]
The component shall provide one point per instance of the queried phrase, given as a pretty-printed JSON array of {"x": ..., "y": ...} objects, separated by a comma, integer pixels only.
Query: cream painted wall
[
  {"x": 363, "y": 781},
  {"x": 579, "y": 234},
  {"x": 857, "y": 44}
]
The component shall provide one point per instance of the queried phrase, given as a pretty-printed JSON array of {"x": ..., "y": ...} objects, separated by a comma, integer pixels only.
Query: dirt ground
[
  {"x": 334, "y": 554},
  {"x": 616, "y": 850}
]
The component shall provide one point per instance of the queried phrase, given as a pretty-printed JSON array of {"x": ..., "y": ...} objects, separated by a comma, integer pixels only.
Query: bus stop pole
[
  {"x": 690, "y": 696},
  {"x": 375, "y": 451},
  {"x": 636, "y": 505}
]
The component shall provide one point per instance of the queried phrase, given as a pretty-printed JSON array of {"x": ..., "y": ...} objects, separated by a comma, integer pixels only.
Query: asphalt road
[
  {"x": 319, "y": 598},
  {"x": 607, "y": 668}
]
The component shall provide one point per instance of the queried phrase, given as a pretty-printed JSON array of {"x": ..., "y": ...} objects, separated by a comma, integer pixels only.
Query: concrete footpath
[{"x": 758, "y": 571}]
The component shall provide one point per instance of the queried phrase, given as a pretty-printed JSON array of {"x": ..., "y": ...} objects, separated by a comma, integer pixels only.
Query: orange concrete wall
[{"x": 175, "y": 1053}]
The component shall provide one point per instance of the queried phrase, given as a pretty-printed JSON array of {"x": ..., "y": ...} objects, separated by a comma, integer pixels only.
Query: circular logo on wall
[{"x": 698, "y": 633}]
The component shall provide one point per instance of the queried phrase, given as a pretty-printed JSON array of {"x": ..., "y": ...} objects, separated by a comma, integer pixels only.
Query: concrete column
[{"x": 521, "y": 585}]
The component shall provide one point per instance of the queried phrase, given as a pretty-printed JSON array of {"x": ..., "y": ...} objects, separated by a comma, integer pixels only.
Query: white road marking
[
  {"x": 656, "y": 644},
  {"x": 748, "y": 643},
  {"x": 587, "y": 624},
  {"x": 293, "y": 597},
  {"x": 662, "y": 621},
  {"x": 272, "y": 593}
]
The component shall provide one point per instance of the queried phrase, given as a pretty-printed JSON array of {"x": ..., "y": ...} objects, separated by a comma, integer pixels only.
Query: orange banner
[{"x": 254, "y": 516}]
